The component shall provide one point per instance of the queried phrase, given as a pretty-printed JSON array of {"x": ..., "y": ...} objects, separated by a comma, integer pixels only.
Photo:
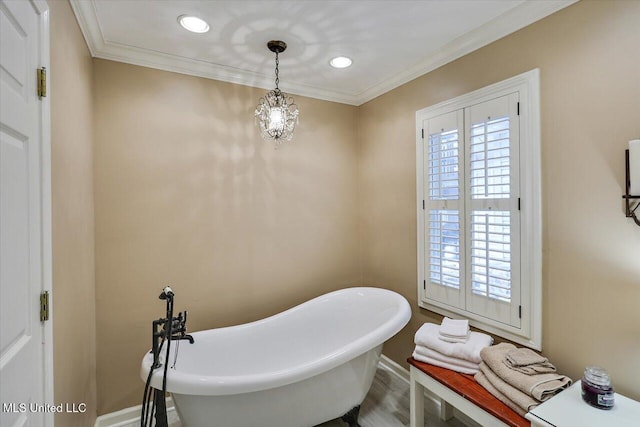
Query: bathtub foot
[{"x": 351, "y": 417}]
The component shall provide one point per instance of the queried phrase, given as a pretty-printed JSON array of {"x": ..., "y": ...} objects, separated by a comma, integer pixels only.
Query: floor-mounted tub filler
[{"x": 302, "y": 367}]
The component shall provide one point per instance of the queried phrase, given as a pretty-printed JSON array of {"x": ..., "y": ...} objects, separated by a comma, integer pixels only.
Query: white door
[{"x": 25, "y": 270}]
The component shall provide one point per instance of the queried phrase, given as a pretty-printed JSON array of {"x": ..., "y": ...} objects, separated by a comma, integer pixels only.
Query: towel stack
[
  {"x": 450, "y": 345},
  {"x": 519, "y": 377}
]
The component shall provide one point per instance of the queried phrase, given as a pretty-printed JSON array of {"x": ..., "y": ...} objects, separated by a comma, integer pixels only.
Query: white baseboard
[
  {"x": 130, "y": 417},
  {"x": 403, "y": 374},
  {"x": 395, "y": 368}
]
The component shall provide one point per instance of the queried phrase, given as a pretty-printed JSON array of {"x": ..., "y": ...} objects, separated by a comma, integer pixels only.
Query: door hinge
[
  {"x": 520, "y": 311},
  {"x": 518, "y": 108},
  {"x": 42, "y": 82},
  {"x": 423, "y": 205},
  {"x": 44, "y": 306},
  {"x": 424, "y": 285},
  {"x": 422, "y": 133},
  {"x": 518, "y": 203}
]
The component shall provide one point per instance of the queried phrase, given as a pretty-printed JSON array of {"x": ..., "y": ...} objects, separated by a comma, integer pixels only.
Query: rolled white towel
[
  {"x": 427, "y": 336},
  {"x": 427, "y": 352},
  {"x": 454, "y": 328}
]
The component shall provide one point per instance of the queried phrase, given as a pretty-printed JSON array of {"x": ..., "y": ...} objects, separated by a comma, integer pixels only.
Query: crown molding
[
  {"x": 87, "y": 18},
  {"x": 193, "y": 67},
  {"x": 507, "y": 23}
]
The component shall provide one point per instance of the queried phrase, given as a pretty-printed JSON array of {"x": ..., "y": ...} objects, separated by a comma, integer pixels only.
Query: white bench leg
[
  {"x": 446, "y": 410},
  {"x": 417, "y": 403}
]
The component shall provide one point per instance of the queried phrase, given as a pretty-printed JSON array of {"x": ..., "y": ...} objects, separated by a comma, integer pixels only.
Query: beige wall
[
  {"x": 187, "y": 194},
  {"x": 590, "y": 91},
  {"x": 73, "y": 221}
]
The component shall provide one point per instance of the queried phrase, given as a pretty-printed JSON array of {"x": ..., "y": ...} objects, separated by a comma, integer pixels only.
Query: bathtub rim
[{"x": 210, "y": 385}]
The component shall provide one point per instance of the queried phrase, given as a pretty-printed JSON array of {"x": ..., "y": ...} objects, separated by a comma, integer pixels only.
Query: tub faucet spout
[
  {"x": 179, "y": 328},
  {"x": 188, "y": 338}
]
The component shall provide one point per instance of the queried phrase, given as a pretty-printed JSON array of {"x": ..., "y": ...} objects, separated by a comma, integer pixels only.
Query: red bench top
[{"x": 468, "y": 388}]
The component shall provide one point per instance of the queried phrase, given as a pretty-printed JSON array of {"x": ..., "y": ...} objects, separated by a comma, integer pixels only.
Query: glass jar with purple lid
[{"x": 597, "y": 390}]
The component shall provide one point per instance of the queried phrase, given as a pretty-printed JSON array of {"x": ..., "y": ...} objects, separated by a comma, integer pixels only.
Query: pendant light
[{"x": 277, "y": 113}]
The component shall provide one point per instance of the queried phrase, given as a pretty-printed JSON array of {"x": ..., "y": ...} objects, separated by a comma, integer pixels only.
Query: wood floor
[{"x": 386, "y": 405}]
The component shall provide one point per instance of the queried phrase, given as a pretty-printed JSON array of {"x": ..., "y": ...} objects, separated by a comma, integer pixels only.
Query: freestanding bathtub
[{"x": 302, "y": 367}]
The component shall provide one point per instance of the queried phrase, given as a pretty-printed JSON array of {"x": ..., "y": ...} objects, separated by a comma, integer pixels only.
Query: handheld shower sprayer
[
  {"x": 167, "y": 293},
  {"x": 164, "y": 330}
]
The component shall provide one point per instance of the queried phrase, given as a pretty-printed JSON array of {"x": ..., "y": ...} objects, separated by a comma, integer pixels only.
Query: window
[{"x": 479, "y": 216}]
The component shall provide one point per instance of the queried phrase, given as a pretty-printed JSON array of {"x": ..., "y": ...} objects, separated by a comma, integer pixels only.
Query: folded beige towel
[
  {"x": 544, "y": 368},
  {"x": 524, "y": 357},
  {"x": 523, "y": 400},
  {"x": 528, "y": 362},
  {"x": 484, "y": 382},
  {"x": 540, "y": 387},
  {"x": 547, "y": 368}
]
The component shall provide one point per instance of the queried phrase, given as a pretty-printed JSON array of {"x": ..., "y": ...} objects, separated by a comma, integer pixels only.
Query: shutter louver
[
  {"x": 443, "y": 166},
  {"x": 491, "y": 254},
  {"x": 444, "y": 224},
  {"x": 444, "y": 245},
  {"x": 490, "y": 169},
  {"x": 490, "y": 178}
]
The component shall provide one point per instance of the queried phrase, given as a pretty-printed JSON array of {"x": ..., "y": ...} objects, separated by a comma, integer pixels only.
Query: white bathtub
[{"x": 302, "y": 367}]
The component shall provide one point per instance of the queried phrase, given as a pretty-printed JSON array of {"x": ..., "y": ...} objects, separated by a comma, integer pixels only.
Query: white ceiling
[{"x": 391, "y": 42}]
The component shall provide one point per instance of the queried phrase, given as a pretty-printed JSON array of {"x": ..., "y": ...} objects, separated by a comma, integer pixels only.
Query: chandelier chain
[{"x": 277, "y": 78}]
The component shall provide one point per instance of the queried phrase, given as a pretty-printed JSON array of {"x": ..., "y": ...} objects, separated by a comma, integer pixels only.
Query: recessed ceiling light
[
  {"x": 340, "y": 62},
  {"x": 193, "y": 24}
]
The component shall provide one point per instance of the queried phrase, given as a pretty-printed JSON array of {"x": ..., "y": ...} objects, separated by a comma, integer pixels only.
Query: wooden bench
[{"x": 458, "y": 391}]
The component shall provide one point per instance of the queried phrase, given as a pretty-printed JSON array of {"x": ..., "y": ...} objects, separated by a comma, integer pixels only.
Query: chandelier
[{"x": 277, "y": 113}]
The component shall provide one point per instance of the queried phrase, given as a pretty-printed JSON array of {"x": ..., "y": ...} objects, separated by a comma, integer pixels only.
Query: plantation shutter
[
  {"x": 478, "y": 211},
  {"x": 492, "y": 213},
  {"x": 471, "y": 215},
  {"x": 444, "y": 208}
]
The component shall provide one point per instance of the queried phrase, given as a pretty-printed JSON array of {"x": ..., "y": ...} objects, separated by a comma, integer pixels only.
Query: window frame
[{"x": 527, "y": 85}]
